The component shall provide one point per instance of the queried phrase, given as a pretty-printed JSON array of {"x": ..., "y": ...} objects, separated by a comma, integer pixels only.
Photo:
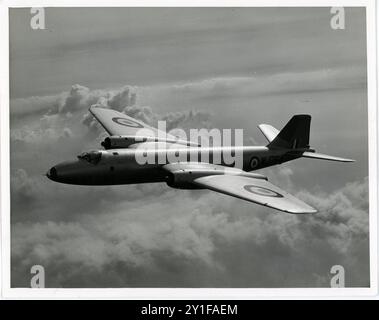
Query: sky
[{"x": 194, "y": 68}]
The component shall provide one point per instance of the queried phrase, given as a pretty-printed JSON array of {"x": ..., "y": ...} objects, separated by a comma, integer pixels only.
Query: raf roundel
[
  {"x": 254, "y": 162},
  {"x": 262, "y": 191},
  {"x": 127, "y": 122}
]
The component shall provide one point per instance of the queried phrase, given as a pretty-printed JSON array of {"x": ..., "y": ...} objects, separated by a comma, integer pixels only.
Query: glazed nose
[{"x": 52, "y": 173}]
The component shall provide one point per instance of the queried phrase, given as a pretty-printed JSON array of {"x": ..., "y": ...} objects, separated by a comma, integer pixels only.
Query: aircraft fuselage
[{"x": 121, "y": 166}]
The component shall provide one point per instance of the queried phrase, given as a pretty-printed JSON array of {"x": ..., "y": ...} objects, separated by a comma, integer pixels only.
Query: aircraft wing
[
  {"x": 119, "y": 124},
  {"x": 255, "y": 190},
  {"x": 240, "y": 184}
]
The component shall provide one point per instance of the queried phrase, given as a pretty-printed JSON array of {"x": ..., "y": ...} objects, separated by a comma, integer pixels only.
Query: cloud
[
  {"x": 257, "y": 84},
  {"x": 37, "y": 119},
  {"x": 77, "y": 99},
  {"x": 52, "y": 128},
  {"x": 137, "y": 242},
  {"x": 23, "y": 189},
  {"x": 187, "y": 120},
  {"x": 64, "y": 116}
]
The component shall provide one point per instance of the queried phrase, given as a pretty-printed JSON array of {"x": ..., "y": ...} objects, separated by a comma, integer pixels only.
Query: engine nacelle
[
  {"x": 182, "y": 176},
  {"x": 116, "y": 142},
  {"x": 181, "y": 180}
]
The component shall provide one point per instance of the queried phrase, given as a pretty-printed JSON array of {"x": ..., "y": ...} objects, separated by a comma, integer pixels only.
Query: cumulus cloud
[
  {"x": 64, "y": 110},
  {"x": 52, "y": 128},
  {"x": 207, "y": 232},
  {"x": 65, "y": 116},
  {"x": 23, "y": 189},
  {"x": 76, "y": 99},
  {"x": 150, "y": 235},
  {"x": 187, "y": 120}
]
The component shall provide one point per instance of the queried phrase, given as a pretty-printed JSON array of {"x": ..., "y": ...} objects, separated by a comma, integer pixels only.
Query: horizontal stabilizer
[
  {"x": 321, "y": 156},
  {"x": 268, "y": 131}
]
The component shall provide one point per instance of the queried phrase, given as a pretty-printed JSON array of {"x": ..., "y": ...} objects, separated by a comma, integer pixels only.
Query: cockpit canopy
[{"x": 91, "y": 156}]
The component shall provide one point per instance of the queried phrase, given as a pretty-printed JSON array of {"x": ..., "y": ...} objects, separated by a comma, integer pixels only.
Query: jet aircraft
[{"x": 117, "y": 163}]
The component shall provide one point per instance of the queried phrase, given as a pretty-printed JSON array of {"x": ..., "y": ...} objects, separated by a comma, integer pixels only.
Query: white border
[{"x": 186, "y": 293}]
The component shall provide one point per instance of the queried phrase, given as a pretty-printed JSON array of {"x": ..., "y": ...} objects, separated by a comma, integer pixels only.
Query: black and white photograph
[{"x": 191, "y": 147}]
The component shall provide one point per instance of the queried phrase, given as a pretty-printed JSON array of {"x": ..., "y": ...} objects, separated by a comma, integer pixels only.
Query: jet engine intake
[{"x": 181, "y": 180}]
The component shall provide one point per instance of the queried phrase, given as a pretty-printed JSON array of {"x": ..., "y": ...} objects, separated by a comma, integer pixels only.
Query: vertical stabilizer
[{"x": 294, "y": 135}]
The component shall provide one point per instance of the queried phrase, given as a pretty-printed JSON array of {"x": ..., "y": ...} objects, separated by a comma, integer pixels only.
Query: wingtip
[
  {"x": 299, "y": 210},
  {"x": 305, "y": 209},
  {"x": 92, "y": 108},
  {"x": 311, "y": 211}
]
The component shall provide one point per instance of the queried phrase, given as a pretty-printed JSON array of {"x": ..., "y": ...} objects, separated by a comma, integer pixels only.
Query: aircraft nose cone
[
  {"x": 69, "y": 171},
  {"x": 52, "y": 174}
]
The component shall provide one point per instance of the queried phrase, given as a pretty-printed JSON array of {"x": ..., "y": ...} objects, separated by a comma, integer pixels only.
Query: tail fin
[{"x": 294, "y": 135}]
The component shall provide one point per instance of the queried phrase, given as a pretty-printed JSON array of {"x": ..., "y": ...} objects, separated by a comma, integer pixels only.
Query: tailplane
[{"x": 315, "y": 155}]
